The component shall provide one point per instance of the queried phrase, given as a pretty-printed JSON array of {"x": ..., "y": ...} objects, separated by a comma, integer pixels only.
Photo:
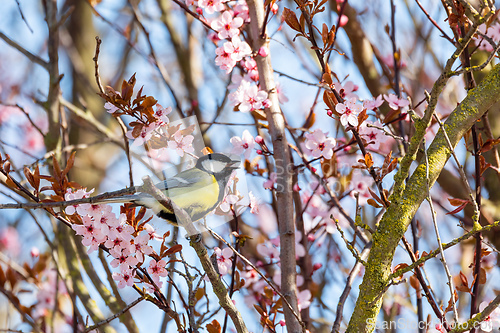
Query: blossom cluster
[
  {"x": 128, "y": 247},
  {"x": 233, "y": 50}
]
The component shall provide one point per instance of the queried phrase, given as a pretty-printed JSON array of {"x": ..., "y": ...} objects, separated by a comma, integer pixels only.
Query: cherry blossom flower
[
  {"x": 227, "y": 202},
  {"x": 304, "y": 299},
  {"x": 493, "y": 320},
  {"x": 119, "y": 228},
  {"x": 211, "y": 6},
  {"x": 124, "y": 278},
  {"x": 254, "y": 204},
  {"x": 494, "y": 32},
  {"x": 250, "y": 66},
  {"x": 226, "y": 25},
  {"x": 346, "y": 90},
  {"x": 245, "y": 144},
  {"x": 360, "y": 185},
  {"x": 224, "y": 261},
  {"x": 319, "y": 144},
  {"x": 88, "y": 230},
  {"x": 373, "y": 136},
  {"x": 141, "y": 246},
  {"x": 144, "y": 136},
  {"x": 373, "y": 104},
  {"x": 395, "y": 102},
  {"x": 162, "y": 113},
  {"x": 9, "y": 241},
  {"x": 78, "y": 194},
  {"x": 269, "y": 184},
  {"x": 281, "y": 93},
  {"x": 230, "y": 53},
  {"x": 157, "y": 269},
  {"x": 110, "y": 108},
  {"x": 253, "y": 99},
  {"x": 124, "y": 258},
  {"x": 349, "y": 111},
  {"x": 241, "y": 10},
  {"x": 250, "y": 275},
  {"x": 181, "y": 144},
  {"x": 152, "y": 232},
  {"x": 267, "y": 249}
]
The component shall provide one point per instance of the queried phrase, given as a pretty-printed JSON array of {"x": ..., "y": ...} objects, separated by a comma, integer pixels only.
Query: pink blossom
[
  {"x": 88, "y": 230},
  {"x": 254, "y": 204},
  {"x": 241, "y": 10},
  {"x": 349, "y": 111},
  {"x": 300, "y": 251},
  {"x": 6, "y": 112},
  {"x": 157, "y": 269},
  {"x": 245, "y": 144},
  {"x": 226, "y": 25},
  {"x": 395, "y": 102},
  {"x": 250, "y": 66},
  {"x": 211, "y": 6},
  {"x": 343, "y": 20},
  {"x": 281, "y": 93},
  {"x": 230, "y": 53},
  {"x": 181, "y": 144},
  {"x": 162, "y": 113},
  {"x": 125, "y": 278},
  {"x": 141, "y": 246},
  {"x": 269, "y": 184},
  {"x": 253, "y": 99},
  {"x": 250, "y": 275},
  {"x": 227, "y": 202},
  {"x": 9, "y": 241},
  {"x": 267, "y": 249},
  {"x": 274, "y": 8},
  {"x": 373, "y": 104},
  {"x": 144, "y": 136},
  {"x": 152, "y": 232},
  {"x": 264, "y": 51},
  {"x": 224, "y": 261},
  {"x": 110, "y": 108},
  {"x": 304, "y": 299},
  {"x": 373, "y": 136},
  {"x": 35, "y": 252},
  {"x": 78, "y": 194},
  {"x": 481, "y": 42},
  {"x": 493, "y": 320},
  {"x": 360, "y": 185},
  {"x": 346, "y": 90},
  {"x": 124, "y": 259},
  {"x": 119, "y": 228},
  {"x": 240, "y": 84},
  {"x": 319, "y": 144}
]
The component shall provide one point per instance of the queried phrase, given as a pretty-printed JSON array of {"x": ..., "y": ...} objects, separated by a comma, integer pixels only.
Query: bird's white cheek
[{"x": 213, "y": 166}]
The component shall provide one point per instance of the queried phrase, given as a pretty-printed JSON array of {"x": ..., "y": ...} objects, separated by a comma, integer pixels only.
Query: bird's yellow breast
[{"x": 197, "y": 200}]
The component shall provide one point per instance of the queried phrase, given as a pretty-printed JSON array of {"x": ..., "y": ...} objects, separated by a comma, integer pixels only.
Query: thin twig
[
  {"x": 116, "y": 315},
  {"x": 438, "y": 239}
]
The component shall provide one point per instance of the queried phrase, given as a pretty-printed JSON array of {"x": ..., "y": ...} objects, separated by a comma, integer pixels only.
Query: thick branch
[
  {"x": 399, "y": 214},
  {"x": 282, "y": 158}
]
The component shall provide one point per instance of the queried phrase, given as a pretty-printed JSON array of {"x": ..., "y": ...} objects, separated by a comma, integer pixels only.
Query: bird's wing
[{"x": 183, "y": 179}]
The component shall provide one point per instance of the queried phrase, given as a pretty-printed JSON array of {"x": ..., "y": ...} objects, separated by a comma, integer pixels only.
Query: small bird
[{"x": 197, "y": 190}]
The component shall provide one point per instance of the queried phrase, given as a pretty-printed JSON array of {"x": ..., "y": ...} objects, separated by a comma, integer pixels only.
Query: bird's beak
[{"x": 235, "y": 162}]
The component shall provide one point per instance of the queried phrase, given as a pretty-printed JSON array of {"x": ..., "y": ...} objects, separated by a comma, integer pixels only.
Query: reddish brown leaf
[
  {"x": 399, "y": 266},
  {"x": 414, "y": 283},
  {"x": 214, "y": 327},
  {"x": 69, "y": 164},
  {"x": 373, "y": 203},
  {"x": 174, "y": 249},
  {"x": 368, "y": 160},
  {"x": 291, "y": 20}
]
